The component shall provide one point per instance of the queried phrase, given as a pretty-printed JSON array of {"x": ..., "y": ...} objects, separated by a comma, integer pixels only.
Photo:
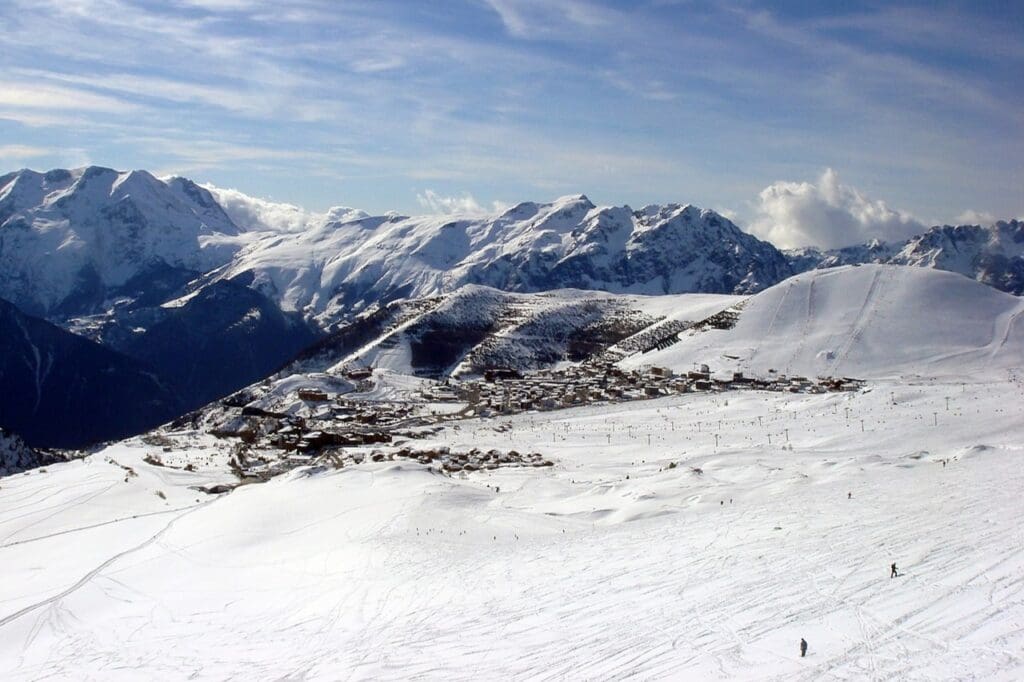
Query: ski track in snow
[
  {"x": 808, "y": 317},
  {"x": 863, "y": 320},
  {"x": 384, "y": 571},
  {"x": 96, "y": 571}
]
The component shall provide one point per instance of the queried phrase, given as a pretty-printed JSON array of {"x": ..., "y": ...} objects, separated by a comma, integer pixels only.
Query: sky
[{"x": 803, "y": 122}]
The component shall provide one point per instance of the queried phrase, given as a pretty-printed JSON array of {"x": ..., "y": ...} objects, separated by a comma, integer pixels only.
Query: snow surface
[
  {"x": 334, "y": 268},
  {"x": 609, "y": 565},
  {"x": 697, "y": 536},
  {"x": 65, "y": 232},
  {"x": 863, "y": 321}
]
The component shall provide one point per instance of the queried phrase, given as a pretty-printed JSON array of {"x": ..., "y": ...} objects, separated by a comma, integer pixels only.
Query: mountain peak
[
  {"x": 572, "y": 199},
  {"x": 92, "y": 228}
]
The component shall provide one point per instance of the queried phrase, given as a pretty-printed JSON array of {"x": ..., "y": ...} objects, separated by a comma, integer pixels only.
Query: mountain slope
[
  {"x": 69, "y": 238},
  {"x": 697, "y": 536},
  {"x": 478, "y": 328},
  {"x": 219, "y": 338},
  {"x": 992, "y": 255},
  {"x": 866, "y": 321},
  {"x": 60, "y": 390},
  {"x": 344, "y": 267}
]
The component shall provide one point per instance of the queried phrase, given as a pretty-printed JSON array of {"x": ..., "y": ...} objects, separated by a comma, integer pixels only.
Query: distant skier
[
  {"x": 893, "y": 574},
  {"x": 849, "y": 496},
  {"x": 803, "y": 647}
]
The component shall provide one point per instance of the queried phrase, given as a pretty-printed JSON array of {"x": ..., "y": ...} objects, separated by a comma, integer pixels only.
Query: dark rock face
[
  {"x": 15, "y": 455},
  {"x": 61, "y": 390}
]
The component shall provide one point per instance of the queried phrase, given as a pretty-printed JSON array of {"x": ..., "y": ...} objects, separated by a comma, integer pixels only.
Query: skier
[
  {"x": 893, "y": 574},
  {"x": 803, "y": 647}
]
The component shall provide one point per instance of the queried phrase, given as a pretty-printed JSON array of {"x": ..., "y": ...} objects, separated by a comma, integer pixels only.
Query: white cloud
[
  {"x": 546, "y": 18},
  {"x": 41, "y": 96},
  {"x": 827, "y": 214},
  {"x": 253, "y": 213},
  {"x": 972, "y": 217},
  {"x": 728, "y": 214},
  {"x": 17, "y": 153},
  {"x": 464, "y": 205}
]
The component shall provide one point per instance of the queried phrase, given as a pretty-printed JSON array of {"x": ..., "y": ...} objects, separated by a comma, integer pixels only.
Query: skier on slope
[
  {"x": 803, "y": 647},
  {"x": 893, "y": 574}
]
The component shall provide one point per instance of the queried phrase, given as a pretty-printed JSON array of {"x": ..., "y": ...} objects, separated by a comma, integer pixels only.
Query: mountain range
[{"x": 204, "y": 296}]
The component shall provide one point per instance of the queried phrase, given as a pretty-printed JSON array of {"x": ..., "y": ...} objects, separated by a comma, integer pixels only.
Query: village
[
  {"x": 506, "y": 391},
  {"x": 348, "y": 428}
]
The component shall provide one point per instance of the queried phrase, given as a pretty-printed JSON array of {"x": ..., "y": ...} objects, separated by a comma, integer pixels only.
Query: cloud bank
[
  {"x": 255, "y": 214},
  {"x": 827, "y": 214}
]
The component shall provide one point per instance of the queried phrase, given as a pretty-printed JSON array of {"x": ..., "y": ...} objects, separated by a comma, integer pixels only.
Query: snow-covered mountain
[
  {"x": 69, "y": 240},
  {"x": 863, "y": 321},
  {"x": 60, "y": 390},
  {"x": 213, "y": 289},
  {"x": 992, "y": 255},
  {"x": 344, "y": 267},
  {"x": 477, "y": 328},
  {"x": 124, "y": 259}
]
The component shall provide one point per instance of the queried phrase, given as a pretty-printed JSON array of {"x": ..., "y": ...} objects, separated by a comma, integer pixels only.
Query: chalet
[
  {"x": 501, "y": 374},
  {"x": 359, "y": 373},
  {"x": 312, "y": 395}
]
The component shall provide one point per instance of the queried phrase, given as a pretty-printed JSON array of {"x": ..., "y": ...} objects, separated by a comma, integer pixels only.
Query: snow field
[
  {"x": 868, "y": 321},
  {"x": 393, "y": 571}
]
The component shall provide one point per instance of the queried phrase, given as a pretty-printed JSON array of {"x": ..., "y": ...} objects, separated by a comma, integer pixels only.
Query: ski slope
[
  {"x": 863, "y": 321},
  {"x": 779, "y": 521}
]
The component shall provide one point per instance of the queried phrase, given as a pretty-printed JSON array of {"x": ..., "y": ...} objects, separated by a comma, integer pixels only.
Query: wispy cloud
[
  {"x": 550, "y": 18},
  {"x": 465, "y": 204},
  {"x": 24, "y": 95},
  {"x": 18, "y": 153},
  {"x": 523, "y": 98}
]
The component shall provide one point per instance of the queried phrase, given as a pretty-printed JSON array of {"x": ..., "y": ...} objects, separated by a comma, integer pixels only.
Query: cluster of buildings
[
  {"x": 341, "y": 427},
  {"x": 504, "y": 391}
]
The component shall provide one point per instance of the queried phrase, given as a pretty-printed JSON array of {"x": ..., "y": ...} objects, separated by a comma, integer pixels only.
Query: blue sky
[{"x": 374, "y": 104}]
